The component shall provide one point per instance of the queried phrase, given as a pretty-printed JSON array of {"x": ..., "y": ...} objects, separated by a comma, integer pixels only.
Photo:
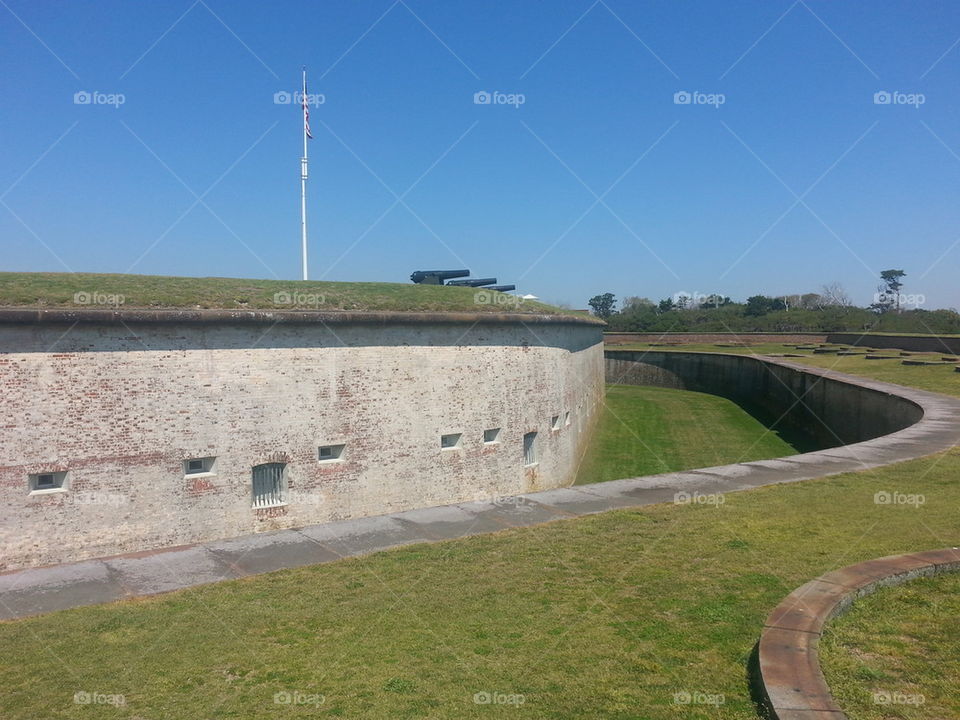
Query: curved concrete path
[
  {"x": 42, "y": 590},
  {"x": 790, "y": 675}
]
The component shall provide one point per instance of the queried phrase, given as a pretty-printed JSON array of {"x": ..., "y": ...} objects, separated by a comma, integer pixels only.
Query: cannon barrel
[
  {"x": 475, "y": 282},
  {"x": 501, "y": 288},
  {"x": 436, "y": 277}
]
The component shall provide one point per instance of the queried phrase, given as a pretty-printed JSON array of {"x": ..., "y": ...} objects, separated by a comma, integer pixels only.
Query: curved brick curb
[{"x": 789, "y": 665}]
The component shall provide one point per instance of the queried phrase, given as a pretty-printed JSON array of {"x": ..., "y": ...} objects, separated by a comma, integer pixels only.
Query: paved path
[{"x": 42, "y": 590}]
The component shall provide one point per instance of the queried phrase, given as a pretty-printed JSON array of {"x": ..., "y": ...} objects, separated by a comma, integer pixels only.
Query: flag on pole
[{"x": 306, "y": 111}]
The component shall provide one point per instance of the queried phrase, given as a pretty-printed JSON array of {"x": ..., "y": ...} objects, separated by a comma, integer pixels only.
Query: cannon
[
  {"x": 501, "y": 288},
  {"x": 475, "y": 282},
  {"x": 436, "y": 277}
]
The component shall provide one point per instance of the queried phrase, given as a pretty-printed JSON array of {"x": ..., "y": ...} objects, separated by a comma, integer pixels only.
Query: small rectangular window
[
  {"x": 198, "y": 466},
  {"x": 555, "y": 422},
  {"x": 330, "y": 452},
  {"x": 566, "y": 418},
  {"x": 491, "y": 436},
  {"x": 48, "y": 481},
  {"x": 530, "y": 449},
  {"x": 450, "y": 442},
  {"x": 269, "y": 485}
]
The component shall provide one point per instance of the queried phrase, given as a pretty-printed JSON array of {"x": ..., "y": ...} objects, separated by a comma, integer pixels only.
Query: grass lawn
[
  {"x": 649, "y": 430},
  {"x": 157, "y": 291},
  {"x": 894, "y": 655},
  {"x": 936, "y": 378}
]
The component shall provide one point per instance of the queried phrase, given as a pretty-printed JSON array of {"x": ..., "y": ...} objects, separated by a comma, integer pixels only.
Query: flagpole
[{"x": 303, "y": 181}]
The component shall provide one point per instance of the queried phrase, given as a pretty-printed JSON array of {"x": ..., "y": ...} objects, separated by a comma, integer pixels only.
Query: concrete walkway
[{"x": 42, "y": 590}]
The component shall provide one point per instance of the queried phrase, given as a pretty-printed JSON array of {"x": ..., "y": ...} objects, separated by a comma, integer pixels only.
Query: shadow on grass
[{"x": 799, "y": 439}]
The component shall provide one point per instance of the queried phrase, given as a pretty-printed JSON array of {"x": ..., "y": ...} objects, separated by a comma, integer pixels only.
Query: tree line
[{"x": 830, "y": 310}]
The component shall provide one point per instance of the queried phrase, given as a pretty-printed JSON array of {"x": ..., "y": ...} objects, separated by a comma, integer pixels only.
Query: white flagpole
[{"x": 303, "y": 182}]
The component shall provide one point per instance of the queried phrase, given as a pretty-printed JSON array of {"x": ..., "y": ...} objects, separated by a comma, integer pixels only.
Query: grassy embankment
[
  {"x": 648, "y": 430},
  {"x": 60, "y": 290}
]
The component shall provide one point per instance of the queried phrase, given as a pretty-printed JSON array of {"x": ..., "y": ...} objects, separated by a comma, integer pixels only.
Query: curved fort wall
[
  {"x": 826, "y": 411},
  {"x": 120, "y": 401}
]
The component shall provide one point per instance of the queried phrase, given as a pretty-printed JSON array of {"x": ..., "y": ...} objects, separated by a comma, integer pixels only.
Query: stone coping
[
  {"x": 791, "y": 681},
  {"x": 40, "y": 590},
  {"x": 103, "y": 316}
]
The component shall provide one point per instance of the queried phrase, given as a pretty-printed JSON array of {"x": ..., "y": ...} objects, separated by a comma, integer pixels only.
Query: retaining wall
[
  {"x": 623, "y": 338},
  {"x": 826, "y": 411},
  {"x": 917, "y": 343},
  {"x": 120, "y": 400}
]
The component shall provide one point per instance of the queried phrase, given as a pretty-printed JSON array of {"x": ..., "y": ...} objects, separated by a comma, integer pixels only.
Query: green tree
[
  {"x": 761, "y": 305},
  {"x": 888, "y": 295},
  {"x": 603, "y": 304}
]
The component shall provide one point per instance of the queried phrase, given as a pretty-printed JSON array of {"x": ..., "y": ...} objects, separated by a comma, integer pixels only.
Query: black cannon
[
  {"x": 436, "y": 277},
  {"x": 501, "y": 288},
  {"x": 475, "y": 282}
]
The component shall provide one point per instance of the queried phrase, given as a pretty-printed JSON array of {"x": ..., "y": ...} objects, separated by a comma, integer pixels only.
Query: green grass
[
  {"x": 606, "y": 616},
  {"x": 649, "y": 430},
  {"x": 156, "y": 291},
  {"x": 936, "y": 378},
  {"x": 899, "y": 645}
]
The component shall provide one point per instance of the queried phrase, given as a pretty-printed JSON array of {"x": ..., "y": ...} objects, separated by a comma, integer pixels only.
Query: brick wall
[{"x": 122, "y": 406}]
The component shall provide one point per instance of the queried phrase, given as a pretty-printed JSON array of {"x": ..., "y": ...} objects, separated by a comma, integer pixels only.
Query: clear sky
[{"x": 599, "y": 181}]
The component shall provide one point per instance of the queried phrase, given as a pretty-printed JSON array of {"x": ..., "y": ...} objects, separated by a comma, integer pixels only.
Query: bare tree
[
  {"x": 833, "y": 295},
  {"x": 635, "y": 303}
]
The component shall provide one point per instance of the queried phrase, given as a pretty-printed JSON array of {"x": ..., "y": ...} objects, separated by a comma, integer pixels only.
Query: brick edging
[{"x": 789, "y": 674}]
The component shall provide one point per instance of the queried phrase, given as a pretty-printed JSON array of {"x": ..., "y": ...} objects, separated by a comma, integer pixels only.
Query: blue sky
[{"x": 598, "y": 182}]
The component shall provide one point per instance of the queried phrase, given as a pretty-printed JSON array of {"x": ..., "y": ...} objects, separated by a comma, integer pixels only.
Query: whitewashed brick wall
[{"x": 120, "y": 408}]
